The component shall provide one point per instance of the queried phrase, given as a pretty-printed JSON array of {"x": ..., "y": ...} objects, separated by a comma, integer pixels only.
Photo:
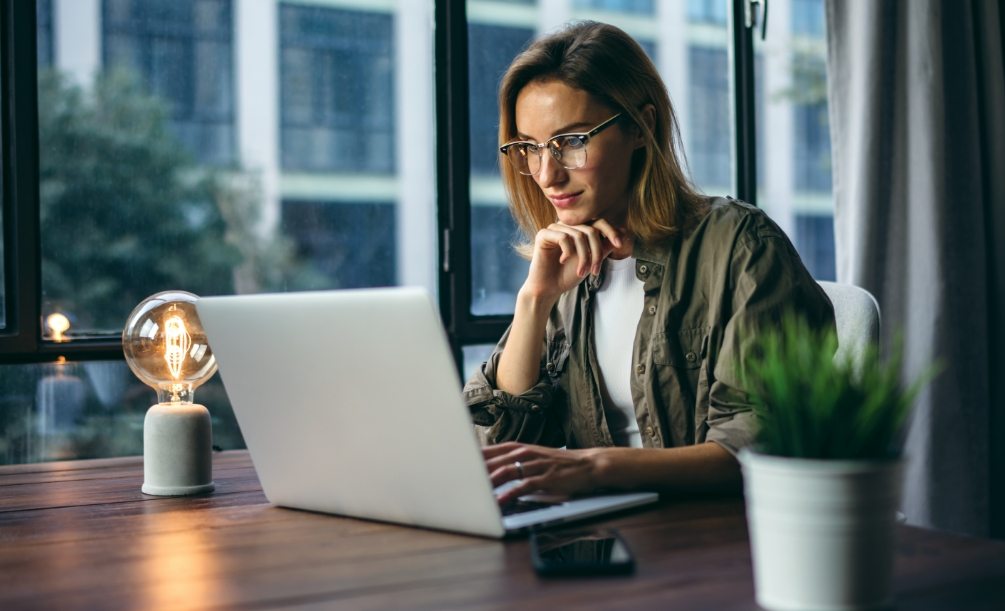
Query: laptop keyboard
[{"x": 520, "y": 506}]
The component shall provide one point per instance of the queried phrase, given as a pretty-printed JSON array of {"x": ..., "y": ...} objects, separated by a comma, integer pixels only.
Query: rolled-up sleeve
[
  {"x": 528, "y": 417},
  {"x": 767, "y": 279}
]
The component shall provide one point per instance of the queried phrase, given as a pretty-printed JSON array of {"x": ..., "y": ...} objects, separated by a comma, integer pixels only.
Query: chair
[{"x": 856, "y": 313}]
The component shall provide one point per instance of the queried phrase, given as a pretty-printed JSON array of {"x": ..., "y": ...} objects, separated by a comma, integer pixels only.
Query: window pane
[
  {"x": 497, "y": 271},
  {"x": 794, "y": 168},
  {"x": 708, "y": 11},
  {"x": 64, "y": 411},
  {"x": 621, "y": 6},
  {"x": 474, "y": 356},
  {"x": 690, "y": 46},
  {"x": 186, "y": 144}
]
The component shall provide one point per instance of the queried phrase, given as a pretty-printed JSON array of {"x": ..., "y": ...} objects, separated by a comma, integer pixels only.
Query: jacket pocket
[
  {"x": 683, "y": 349},
  {"x": 557, "y": 355}
]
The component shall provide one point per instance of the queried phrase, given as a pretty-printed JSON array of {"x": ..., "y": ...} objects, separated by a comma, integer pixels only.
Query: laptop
[{"x": 350, "y": 404}]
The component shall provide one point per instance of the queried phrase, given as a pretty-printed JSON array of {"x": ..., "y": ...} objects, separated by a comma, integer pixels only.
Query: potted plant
[{"x": 823, "y": 479}]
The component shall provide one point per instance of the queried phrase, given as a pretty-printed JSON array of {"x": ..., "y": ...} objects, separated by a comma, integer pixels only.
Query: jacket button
[
  {"x": 691, "y": 357},
  {"x": 641, "y": 369},
  {"x": 649, "y": 431},
  {"x": 652, "y": 309},
  {"x": 643, "y": 269},
  {"x": 551, "y": 368}
]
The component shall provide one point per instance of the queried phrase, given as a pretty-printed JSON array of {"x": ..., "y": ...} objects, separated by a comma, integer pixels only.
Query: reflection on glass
[
  {"x": 689, "y": 42},
  {"x": 794, "y": 168},
  {"x": 66, "y": 411}
]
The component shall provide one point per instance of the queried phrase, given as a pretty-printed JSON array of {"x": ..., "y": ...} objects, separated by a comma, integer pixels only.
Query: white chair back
[{"x": 857, "y": 315}]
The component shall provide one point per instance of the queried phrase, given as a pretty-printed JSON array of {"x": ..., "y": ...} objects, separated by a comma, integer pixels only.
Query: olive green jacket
[{"x": 707, "y": 291}]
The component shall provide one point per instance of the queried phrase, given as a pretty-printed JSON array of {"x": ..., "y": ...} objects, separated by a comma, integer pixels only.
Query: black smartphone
[{"x": 580, "y": 552}]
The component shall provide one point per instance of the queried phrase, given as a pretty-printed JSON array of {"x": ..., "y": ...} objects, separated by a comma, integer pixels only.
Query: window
[
  {"x": 708, "y": 11},
  {"x": 182, "y": 50},
  {"x": 496, "y": 270},
  {"x": 645, "y": 7},
  {"x": 811, "y": 148},
  {"x": 699, "y": 88},
  {"x": 710, "y": 118},
  {"x": 277, "y": 145},
  {"x": 808, "y": 18},
  {"x": 43, "y": 13},
  {"x": 150, "y": 178},
  {"x": 490, "y": 49},
  {"x": 337, "y": 89},
  {"x": 794, "y": 172},
  {"x": 349, "y": 245},
  {"x": 815, "y": 242}
]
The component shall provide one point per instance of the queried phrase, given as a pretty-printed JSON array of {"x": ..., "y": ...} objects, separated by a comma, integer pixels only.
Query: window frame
[{"x": 21, "y": 339}]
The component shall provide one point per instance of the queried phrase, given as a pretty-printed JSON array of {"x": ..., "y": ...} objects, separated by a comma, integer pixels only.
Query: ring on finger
[{"x": 519, "y": 469}]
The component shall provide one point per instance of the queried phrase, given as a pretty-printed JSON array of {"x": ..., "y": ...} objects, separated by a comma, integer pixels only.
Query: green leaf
[{"x": 809, "y": 404}]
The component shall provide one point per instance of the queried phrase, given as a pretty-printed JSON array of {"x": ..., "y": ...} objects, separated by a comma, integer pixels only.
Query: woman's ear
[{"x": 648, "y": 114}]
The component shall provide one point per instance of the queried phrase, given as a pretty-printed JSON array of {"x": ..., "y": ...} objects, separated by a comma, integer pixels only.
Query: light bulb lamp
[{"x": 165, "y": 346}]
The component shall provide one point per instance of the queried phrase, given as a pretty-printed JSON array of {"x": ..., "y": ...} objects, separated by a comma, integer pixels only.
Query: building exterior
[{"x": 330, "y": 104}]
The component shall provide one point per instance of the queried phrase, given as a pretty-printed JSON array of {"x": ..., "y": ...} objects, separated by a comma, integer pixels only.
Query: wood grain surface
[{"x": 81, "y": 535}]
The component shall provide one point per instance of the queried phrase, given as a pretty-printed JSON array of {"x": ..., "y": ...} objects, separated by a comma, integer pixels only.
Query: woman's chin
[{"x": 572, "y": 218}]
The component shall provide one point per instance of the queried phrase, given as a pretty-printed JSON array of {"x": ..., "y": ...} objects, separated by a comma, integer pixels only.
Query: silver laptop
[{"x": 350, "y": 404}]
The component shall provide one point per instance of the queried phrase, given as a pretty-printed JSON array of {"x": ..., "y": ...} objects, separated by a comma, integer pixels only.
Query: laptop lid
[{"x": 349, "y": 403}]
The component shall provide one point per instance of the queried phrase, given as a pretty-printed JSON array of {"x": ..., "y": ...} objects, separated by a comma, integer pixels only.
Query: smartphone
[{"x": 580, "y": 552}]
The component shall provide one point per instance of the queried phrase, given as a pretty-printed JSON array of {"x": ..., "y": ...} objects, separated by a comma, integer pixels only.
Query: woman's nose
[{"x": 551, "y": 172}]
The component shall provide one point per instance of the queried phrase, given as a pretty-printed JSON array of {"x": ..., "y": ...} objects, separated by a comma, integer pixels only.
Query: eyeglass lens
[{"x": 570, "y": 151}]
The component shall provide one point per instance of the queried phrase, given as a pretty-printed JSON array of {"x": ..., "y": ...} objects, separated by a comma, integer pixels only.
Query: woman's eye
[{"x": 571, "y": 142}]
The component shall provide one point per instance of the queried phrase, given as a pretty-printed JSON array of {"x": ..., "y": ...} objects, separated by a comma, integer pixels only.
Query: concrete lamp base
[{"x": 177, "y": 450}]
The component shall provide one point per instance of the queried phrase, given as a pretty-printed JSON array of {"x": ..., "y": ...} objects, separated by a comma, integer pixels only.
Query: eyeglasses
[{"x": 567, "y": 149}]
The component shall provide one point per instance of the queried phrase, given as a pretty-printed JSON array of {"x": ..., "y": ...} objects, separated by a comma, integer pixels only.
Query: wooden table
[{"x": 80, "y": 535}]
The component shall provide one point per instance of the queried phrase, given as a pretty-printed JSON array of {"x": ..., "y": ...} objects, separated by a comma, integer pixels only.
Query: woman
[{"x": 642, "y": 295}]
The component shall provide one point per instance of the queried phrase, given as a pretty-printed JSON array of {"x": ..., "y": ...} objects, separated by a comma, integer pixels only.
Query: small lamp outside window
[{"x": 165, "y": 346}]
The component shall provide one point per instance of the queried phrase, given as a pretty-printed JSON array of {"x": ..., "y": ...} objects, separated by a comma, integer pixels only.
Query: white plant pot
[{"x": 821, "y": 531}]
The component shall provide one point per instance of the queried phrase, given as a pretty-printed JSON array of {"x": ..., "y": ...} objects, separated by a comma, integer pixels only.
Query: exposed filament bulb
[{"x": 177, "y": 342}]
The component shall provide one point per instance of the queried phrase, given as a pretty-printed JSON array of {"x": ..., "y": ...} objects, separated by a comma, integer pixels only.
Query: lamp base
[{"x": 177, "y": 450}]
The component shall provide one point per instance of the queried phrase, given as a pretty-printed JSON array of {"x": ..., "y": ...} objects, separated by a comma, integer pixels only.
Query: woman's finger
[
  {"x": 526, "y": 486},
  {"x": 524, "y": 454},
  {"x": 597, "y": 248},
  {"x": 589, "y": 246},
  {"x": 500, "y": 448},
  {"x": 609, "y": 231},
  {"x": 581, "y": 244}
]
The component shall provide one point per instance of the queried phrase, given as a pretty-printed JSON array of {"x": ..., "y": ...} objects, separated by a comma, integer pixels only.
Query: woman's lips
[{"x": 564, "y": 200}]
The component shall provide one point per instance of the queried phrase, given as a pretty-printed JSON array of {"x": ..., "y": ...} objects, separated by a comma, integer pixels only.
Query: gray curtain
[{"x": 917, "y": 111}]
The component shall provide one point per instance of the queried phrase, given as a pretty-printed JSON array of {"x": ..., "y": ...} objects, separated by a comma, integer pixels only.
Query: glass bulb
[{"x": 165, "y": 346}]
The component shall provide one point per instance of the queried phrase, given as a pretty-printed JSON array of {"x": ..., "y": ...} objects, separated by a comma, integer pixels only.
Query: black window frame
[{"x": 21, "y": 339}]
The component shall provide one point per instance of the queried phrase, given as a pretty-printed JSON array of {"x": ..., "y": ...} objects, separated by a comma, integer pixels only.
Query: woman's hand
[
  {"x": 541, "y": 469},
  {"x": 565, "y": 254},
  {"x": 699, "y": 469}
]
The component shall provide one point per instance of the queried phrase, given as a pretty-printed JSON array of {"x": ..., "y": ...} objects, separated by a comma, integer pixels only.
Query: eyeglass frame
[{"x": 585, "y": 137}]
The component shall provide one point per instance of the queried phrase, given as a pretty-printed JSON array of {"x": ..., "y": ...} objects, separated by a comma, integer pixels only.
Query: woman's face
[{"x": 599, "y": 189}]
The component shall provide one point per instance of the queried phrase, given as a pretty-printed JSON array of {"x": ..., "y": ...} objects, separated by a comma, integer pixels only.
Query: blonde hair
[{"x": 608, "y": 64}]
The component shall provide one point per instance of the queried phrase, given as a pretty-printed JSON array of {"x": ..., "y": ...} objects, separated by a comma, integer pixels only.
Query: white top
[{"x": 616, "y": 313}]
